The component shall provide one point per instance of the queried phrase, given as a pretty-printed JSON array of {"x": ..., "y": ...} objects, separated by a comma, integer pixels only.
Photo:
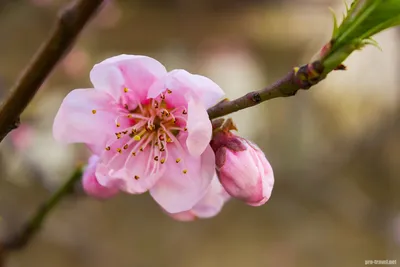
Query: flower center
[{"x": 153, "y": 126}]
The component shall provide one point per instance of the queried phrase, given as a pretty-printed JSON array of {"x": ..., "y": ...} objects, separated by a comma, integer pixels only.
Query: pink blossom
[
  {"x": 149, "y": 127},
  {"x": 90, "y": 183},
  {"x": 209, "y": 206},
  {"x": 243, "y": 169}
]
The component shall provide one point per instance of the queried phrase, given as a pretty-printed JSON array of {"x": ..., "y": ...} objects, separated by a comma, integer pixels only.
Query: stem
[
  {"x": 70, "y": 23},
  {"x": 299, "y": 78},
  {"x": 33, "y": 225}
]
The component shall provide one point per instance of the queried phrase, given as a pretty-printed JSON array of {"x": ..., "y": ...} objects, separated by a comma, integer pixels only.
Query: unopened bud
[{"x": 242, "y": 168}]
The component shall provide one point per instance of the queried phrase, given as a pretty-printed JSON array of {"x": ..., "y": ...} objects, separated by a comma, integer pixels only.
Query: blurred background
[{"x": 335, "y": 149}]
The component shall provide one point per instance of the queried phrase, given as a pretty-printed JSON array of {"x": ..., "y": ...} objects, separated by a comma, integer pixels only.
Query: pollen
[
  {"x": 126, "y": 90},
  {"x": 119, "y": 150},
  {"x": 137, "y": 137},
  {"x": 177, "y": 160},
  {"x": 129, "y": 116},
  {"x": 118, "y": 125},
  {"x": 136, "y": 177},
  {"x": 118, "y": 135},
  {"x": 162, "y": 161},
  {"x": 184, "y": 171},
  {"x": 94, "y": 111}
]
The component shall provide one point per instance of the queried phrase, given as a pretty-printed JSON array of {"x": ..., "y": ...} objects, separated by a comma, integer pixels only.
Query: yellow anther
[
  {"x": 184, "y": 171},
  {"x": 118, "y": 135},
  {"x": 169, "y": 140},
  {"x": 141, "y": 149},
  {"x": 139, "y": 135},
  {"x": 118, "y": 125},
  {"x": 137, "y": 177},
  {"x": 119, "y": 150},
  {"x": 177, "y": 160},
  {"x": 162, "y": 161},
  {"x": 133, "y": 153},
  {"x": 126, "y": 146},
  {"x": 126, "y": 90},
  {"x": 129, "y": 116},
  {"x": 94, "y": 111},
  {"x": 108, "y": 148},
  {"x": 169, "y": 91}
]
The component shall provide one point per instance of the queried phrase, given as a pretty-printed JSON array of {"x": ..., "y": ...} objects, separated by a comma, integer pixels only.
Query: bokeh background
[{"x": 335, "y": 149}]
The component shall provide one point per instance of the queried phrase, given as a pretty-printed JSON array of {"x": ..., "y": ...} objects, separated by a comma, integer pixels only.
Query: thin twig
[
  {"x": 70, "y": 23},
  {"x": 32, "y": 226},
  {"x": 299, "y": 78}
]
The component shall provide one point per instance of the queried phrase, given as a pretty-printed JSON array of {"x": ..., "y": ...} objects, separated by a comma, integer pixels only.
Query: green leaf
[{"x": 363, "y": 19}]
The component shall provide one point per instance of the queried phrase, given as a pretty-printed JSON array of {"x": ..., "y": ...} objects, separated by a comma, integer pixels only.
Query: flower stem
[{"x": 20, "y": 239}]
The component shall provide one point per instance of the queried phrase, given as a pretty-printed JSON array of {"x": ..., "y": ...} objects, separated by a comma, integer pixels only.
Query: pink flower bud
[
  {"x": 90, "y": 183},
  {"x": 242, "y": 168}
]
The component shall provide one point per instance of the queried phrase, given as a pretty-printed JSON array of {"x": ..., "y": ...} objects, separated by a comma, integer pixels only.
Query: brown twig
[
  {"x": 69, "y": 24},
  {"x": 299, "y": 78}
]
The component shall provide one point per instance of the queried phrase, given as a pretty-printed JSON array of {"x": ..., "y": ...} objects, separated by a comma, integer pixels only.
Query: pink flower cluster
[{"x": 149, "y": 131}]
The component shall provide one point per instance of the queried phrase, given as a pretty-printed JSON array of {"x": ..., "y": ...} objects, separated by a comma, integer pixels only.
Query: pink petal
[
  {"x": 90, "y": 183},
  {"x": 133, "y": 173},
  {"x": 199, "y": 128},
  {"x": 185, "y": 86},
  {"x": 76, "y": 123},
  {"x": 176, "y": 191},
  {"x": 137, "y": 73},
  {"x": 212, "y": 203},
  {"x": 184, "y": 216}
]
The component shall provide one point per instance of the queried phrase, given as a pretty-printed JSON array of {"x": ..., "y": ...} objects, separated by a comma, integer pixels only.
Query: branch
[
  {"x": 20, "y": 239},
  {"x": 299, "y": 78},
  {"x": 69, "y": 25}
]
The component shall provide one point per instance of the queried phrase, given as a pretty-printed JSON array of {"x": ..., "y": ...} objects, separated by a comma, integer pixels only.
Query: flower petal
[
  {"x": 76, "y": 123},
  {"x": 90, "y": 183},
  {"x": 199, "y": 128},
  {"x": 213, "y": 201},
  {"x": 136, "y": 73},
  {"x": 176, "y": 191},
  {"x": 185, "y": 85},
  {"x": 134, "y": 174}
]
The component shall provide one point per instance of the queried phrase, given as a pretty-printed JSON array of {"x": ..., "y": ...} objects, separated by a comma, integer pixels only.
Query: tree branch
[
  {"x": 70, "y": 23},
  {"x": 32, "y": 226},
  {"x": 299, "y": 78}
]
